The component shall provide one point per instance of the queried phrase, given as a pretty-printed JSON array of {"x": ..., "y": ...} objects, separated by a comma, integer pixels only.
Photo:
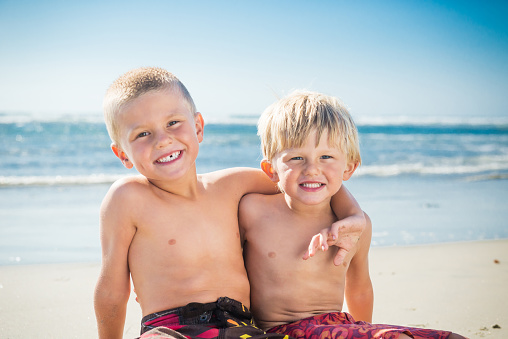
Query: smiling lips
[
  {"x": 169, "y": 158},
  {"x": 311, "y": 185}
]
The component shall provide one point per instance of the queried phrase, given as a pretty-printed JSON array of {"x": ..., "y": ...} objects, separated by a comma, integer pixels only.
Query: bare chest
[{"x": 187, "y": 223}]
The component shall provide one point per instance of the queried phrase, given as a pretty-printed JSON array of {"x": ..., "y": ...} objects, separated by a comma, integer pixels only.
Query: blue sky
[{"x": 382, "y": 58}]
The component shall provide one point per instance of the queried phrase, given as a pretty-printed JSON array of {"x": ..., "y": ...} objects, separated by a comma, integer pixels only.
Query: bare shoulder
[
  {"x": 125, "y": 191},
  {"x": 117, "y": 213},
  {"x": 255, "y": 207},
  {"x": 254, "y": 202}
]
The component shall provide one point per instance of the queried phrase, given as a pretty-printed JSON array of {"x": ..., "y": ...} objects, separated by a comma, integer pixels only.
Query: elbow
[
  {"x": 368, "y": 222},
  {"x": 106, "y": 300},
  {"x": 109, "y": 297}
]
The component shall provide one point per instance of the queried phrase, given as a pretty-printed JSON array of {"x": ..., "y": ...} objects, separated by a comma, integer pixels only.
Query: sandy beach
[{"x": 459, "y": 287}]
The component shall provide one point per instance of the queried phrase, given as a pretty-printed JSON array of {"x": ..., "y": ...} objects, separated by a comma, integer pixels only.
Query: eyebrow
[{"x": 168, "y": 116}]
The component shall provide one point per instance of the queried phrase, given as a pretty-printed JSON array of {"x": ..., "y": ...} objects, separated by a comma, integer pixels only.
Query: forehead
[
  {"x": 311, "y": 142},
  {"x": 152, "y": 105},
  {"x": 313, "y": 139},
  {"x": 163, "y": 99}
]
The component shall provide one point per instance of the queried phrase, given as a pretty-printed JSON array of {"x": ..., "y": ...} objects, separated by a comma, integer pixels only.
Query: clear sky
[{"x": 382, "y": 58}]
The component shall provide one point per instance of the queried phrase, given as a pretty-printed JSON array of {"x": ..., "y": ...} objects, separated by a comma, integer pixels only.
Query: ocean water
[{"x": 421, "y": 181}]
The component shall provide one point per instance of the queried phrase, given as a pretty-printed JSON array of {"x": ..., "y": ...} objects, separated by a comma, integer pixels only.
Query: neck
[
  {"x": 186, "y": 187},
  {"x": 305, "y": 210}
]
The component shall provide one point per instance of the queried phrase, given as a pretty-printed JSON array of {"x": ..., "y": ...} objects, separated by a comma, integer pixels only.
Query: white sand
[{"x": 456, "y": 287}]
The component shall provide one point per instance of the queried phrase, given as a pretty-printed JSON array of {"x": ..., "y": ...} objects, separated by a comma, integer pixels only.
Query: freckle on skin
[
  {"x": 272, "y": 254},
  {"x": 172, "y": 241}
]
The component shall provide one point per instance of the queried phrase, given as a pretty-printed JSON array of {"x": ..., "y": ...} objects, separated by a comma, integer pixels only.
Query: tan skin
[
  {"x": 285, "y": 288},
  {"x": 275, "y": 232},
  {"x": 173, "y": 231},
  {"x": 276, "y": 229}
]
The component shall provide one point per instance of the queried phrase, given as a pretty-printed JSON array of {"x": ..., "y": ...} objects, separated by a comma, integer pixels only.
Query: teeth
[
  {"x": 312, "y": 185},
  {"x": 170, "y": 157}
]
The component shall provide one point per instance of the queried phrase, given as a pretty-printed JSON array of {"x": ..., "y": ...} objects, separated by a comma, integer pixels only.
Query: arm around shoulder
[
  {"x": 359, "y": 292},
  {"x": 113, "y": 286},
  {"x": 343, "y": 233},
  {"x": 245, "y": 180},
  {"x": 345, "y": 205}
]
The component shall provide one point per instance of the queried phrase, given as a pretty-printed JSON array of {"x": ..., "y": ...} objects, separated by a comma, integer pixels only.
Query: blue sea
[{"x": 422, "y": 180}]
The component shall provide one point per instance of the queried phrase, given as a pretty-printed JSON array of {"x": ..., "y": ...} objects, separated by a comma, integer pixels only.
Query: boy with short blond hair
[
  {"x": 175, "y": 233},
  {"x": 310, "y": 146}
]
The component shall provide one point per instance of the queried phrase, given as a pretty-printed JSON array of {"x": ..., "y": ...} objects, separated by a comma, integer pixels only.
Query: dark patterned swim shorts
[{"x": 224, "y": 319}]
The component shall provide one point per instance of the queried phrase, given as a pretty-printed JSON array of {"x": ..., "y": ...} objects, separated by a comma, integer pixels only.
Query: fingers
[
  {"x": 311, "y": 250},
  {"x": 340, "y": 256},
  {"x": 344, "y": 234},
  {"x": 334, "y": 232},
  {"x": 306, "y": 255},
  {"x": 317, "y": 242},
  {"x": 352, "y": 227},
  {"x": 323, "y": 240}
]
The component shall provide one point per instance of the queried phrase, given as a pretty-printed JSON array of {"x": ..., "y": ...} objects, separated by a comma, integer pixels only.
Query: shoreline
[{"x": 459, "y": 287}]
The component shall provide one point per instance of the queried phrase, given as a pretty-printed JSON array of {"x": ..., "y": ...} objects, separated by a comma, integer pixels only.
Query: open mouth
[
  {"x": 311, "y": 184},
  {"x": 169, "y": 158}
]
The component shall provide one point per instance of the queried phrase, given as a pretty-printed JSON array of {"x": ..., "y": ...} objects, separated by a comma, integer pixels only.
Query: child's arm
[
  {"x": 113, "y": 286},
  {"x": 244, "y": 180},
  {"x": 343, "y": 233},
  {"x": 358, "y": 291}
]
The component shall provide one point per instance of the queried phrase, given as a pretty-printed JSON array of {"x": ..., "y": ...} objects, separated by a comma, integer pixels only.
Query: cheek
[
  {"x": 287, "y": 176},
  {"x": 138, "y": 149},
  {"x": 189, "y": 136}
]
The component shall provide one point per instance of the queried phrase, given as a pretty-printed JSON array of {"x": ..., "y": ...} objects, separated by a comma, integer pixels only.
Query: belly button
[{"x": 172, "y": 241}]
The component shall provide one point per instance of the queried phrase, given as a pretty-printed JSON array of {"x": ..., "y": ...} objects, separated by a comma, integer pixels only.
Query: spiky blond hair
[{"x": 133, "y": 84}]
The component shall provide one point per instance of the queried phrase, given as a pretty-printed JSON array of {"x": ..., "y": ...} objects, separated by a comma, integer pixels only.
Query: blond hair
[
  {"x": 133, "y": 84},
  {"x": 287, "y": 123}
]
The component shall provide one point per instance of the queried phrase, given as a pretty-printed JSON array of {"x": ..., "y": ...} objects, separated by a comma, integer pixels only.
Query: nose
[
  {"x": 163, "y": 139},
  {"x": 311, "y": 168}
]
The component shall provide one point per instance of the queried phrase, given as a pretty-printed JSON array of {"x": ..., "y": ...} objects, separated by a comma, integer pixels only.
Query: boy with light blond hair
[
  {"x": 173, "y": 232},
  {"x": 310, "y": 146}
]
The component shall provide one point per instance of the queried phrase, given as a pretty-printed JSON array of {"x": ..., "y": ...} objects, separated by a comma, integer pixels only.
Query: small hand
[
  {"x": 344, "y": 234},
  {"x": 318, "y": 242}
]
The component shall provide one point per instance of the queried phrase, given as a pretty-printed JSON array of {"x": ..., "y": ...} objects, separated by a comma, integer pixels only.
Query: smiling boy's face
[
  {"x": 310, "y": 174},
  {"x": 159, "y": 135}
]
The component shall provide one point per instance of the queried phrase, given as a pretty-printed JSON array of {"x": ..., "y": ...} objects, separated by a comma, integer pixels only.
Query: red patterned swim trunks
[{"x": 341, "y": 325}]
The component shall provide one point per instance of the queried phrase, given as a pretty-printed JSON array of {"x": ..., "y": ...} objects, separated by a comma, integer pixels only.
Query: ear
[
  {"x": 267, "y": 167},
  {"x": 200, "y": 125},
  {"x": 122, "y": 156},
  {"x": 349, "y": 170}
]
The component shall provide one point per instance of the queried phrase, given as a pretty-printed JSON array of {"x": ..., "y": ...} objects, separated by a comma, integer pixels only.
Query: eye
[
  {"x": 142, "y": 134},
  {"x": 172, "y": 123},
  {"x": 326, "y": 157},
  {"x": 296, "y": 158}
]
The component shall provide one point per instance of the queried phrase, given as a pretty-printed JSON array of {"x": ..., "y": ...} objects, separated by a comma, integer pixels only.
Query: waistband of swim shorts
[{"x": 191, "y": 310}]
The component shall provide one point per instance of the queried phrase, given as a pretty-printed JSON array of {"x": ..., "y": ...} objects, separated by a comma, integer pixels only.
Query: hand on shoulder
[{"x": 347, "y": 234}]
